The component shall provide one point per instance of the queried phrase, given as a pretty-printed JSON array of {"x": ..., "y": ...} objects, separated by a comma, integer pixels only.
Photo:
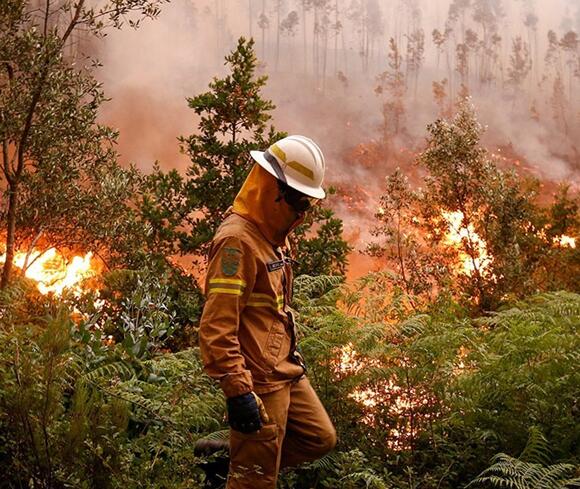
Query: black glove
[{"x": 245, "y": 413}]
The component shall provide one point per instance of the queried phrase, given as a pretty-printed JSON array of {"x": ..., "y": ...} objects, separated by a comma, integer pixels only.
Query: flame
[
  {"x": 53, "y": 272},
  {"x": 566, "y": 241},
  {"x": 457, "y": 234},
  {"x": 349, "y": 362},
  {"x": 461, "y": 364},
  {"x": 400, "y": 402}
]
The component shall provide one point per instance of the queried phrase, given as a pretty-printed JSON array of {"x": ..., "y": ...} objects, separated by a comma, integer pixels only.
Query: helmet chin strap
[
  {"x": 270, "y": 158},
  {"x": 293, "y": 198}
]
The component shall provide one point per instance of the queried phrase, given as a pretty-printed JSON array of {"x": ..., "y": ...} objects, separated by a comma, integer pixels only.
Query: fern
[
  {"x": 530, "y": 470},
  {"x": 329, "y": 462},
  {"x": 117, "y": 370},
  {"x": 219, "y": 435},
  {"x": 550, "y": 308},
  {"x": 511, "y": 472},
  {"x": 13, "y": 294},
  {"x": 308, "y": 287},
  {"x": 537, "y": 450}
]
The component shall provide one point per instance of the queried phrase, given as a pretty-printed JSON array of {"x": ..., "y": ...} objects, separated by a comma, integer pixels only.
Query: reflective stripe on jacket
[{"x": 247, "y": 332}]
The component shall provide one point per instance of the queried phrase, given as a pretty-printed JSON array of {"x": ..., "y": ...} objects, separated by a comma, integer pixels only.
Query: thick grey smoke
[{"x": 325, "y": 87}]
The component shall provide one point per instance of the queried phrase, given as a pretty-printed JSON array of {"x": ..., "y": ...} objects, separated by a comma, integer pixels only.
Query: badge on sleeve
[{"x": 231, "y": 261}]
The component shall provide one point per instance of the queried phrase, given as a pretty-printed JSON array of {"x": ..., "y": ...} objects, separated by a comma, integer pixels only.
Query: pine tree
[
  {"x": 325, "y": 251},
  {"x": 184, "y": 212},
  {"x": 234, "y": 120}
]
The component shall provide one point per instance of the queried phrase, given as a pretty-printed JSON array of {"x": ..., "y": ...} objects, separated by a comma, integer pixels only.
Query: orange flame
[
  {"x": 53, "y": 272},
  {"x": 400, "y": 401},
  {"x": 566, "y": 241},
  {"x": 457, "y": 234}
]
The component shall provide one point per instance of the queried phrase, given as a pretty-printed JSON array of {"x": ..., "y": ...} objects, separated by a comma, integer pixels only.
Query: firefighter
[{"x": 247, "y": 331}]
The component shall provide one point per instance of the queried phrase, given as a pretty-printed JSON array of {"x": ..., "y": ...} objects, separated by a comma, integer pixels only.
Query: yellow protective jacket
[{"x": 247, "y": 331}]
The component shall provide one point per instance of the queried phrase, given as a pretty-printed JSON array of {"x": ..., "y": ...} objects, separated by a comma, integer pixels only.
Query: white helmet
[{"x": 297, "y": 161}]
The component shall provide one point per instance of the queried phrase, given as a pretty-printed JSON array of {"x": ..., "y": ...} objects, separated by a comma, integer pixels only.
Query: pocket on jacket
[{"x": 274, "y": 344}]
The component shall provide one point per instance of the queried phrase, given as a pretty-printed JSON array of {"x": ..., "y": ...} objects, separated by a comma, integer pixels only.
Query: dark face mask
[{"x": 296, "y": 200}]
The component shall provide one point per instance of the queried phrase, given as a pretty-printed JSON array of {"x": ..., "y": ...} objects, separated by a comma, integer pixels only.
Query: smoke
[
  {"x": 148, "y": 73},
  {"x": 325, "y": 89}
]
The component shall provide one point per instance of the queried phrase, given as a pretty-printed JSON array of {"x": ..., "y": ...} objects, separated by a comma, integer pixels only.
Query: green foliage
[
  {"x": 344, "y": 470},
  {"x": 429, "y": 397},
  {"x": 530, "y": 470},
  {"x": 102, "y": 392},
  {"x": 76, "y": 412},
  {"x": 420, "y": 400},
  {"x": 146, "y": 311},
  {"x": 506, "y": 245},
  {"x": 182, "y": 213},
  {"x": 233, "y": 120},
  {"x": 319, "y": 244},
  {"x": 62, "y": 185},
  {"x": 510, "y": 472}
]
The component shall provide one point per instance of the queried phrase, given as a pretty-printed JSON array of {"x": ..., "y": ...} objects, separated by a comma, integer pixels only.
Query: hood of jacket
[{"x": 258, "y": 201}]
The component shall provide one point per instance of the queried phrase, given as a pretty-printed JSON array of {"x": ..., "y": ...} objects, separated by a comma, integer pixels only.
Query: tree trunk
[
  {"x": 304, "y": 35},
  {"x": 324, "y": 57},
  {"x": 217, "y": 25},
  {"x": 263, "y": 32},
  {"x": 10, "y": 233},
  {"x": 277, "y": 33},
  {"x": 250, "y": 18},
  {"x": 335, "y": 37},
  {"x": 344, "y": 53},
  {"x": 315, "y": 44}
]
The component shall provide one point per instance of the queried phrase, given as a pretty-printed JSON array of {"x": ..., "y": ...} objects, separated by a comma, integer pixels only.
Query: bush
[
  {"x": 430, "y": 397},
  {"x": 418, "y": 401},
  {"x": 76, "y": 412}
]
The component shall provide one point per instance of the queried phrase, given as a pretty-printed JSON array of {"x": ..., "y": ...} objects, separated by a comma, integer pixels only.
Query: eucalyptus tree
[
  {"x": 520, "y": 66},
  {"x": 487, "y": 14},
  {"x": 288, "y": 27},
  {"x": 570, "y": 43},
  {"x": 393, "y": 87},
  {"x": 415, "y": 56},
  {"x": 441, "y": 39},
  {"x": 531, "y": 23},
  {"x": 264, "y": 25}
]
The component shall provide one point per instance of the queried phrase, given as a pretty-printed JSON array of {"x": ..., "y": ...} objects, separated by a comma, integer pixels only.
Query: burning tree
[
  {"x": 57, "y": 164},
  {"x": 473, "y": 228},
  {"x": 415, "y": 273}
]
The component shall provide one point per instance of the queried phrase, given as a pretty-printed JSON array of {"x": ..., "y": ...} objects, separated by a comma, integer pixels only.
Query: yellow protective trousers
[{"x": 299, "y": 430}]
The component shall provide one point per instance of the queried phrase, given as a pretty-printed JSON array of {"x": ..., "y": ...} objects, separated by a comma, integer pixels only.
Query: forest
[{"x": 436, "y": 289}]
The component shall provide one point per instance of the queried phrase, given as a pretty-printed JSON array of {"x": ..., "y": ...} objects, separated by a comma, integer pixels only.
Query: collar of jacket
[{"x": 258, "y": 201}]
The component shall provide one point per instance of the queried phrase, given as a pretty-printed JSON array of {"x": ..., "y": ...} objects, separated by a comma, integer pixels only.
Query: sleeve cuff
[{"x": 237, "y": 384}]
